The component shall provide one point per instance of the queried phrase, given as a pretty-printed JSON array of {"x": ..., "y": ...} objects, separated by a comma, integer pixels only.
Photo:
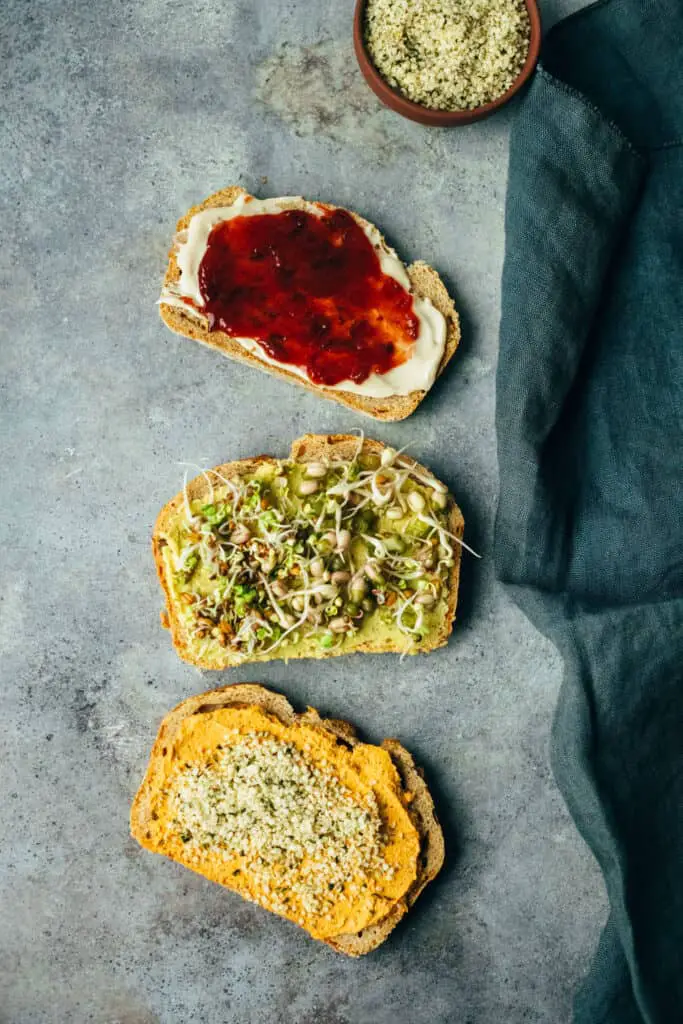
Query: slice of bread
[
  {"x": 318, "y": 449},
  {"x": 149, "y": 816},
  {"x": 425, "y": 282}
]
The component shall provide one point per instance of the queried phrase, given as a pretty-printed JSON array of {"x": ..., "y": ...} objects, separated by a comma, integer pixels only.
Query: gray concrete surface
[{"x": 119, "y": 115}]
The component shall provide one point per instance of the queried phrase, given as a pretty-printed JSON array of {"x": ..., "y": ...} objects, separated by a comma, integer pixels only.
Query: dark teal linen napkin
[{"x": 589, "y": 419}]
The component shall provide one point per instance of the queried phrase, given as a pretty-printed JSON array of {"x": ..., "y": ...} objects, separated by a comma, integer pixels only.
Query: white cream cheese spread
[{"x": 417, "y": 373}]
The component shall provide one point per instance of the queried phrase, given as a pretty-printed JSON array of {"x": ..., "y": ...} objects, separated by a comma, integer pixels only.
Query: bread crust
[
  {"x": 424, "y": 280},
  {"x": 420, "y": 808},
  {"x": 309, "y": 448}
]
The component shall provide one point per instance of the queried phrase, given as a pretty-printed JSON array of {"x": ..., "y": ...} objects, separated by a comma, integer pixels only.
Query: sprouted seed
[{"x": 268, "y": 561}]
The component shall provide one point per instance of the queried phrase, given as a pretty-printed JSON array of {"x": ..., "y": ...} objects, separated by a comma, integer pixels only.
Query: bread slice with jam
[
  {"x": 346, "y": 546},
  {"x": 291, "y": 811},
  {"x": 315, "y": 302}
]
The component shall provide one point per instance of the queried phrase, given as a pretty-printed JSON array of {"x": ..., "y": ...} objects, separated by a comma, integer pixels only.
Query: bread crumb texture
[{"x": 448, "y": 54}]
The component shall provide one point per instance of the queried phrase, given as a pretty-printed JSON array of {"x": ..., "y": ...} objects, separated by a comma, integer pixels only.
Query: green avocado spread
[{"x": 308, "y": 557}]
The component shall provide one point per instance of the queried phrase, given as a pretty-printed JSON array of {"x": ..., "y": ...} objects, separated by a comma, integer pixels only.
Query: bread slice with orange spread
[
  {"x": 419, "y": 357},
  {"x": 346, "y": 546},
  {"x": 291, "y": 811}
]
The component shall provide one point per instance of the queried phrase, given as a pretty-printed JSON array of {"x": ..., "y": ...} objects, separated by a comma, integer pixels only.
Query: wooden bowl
[{"x": 440, "y": 118}]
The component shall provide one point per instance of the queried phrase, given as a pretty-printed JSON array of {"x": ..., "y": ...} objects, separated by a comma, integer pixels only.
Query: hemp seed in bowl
[{"x": 448, "y": 55}]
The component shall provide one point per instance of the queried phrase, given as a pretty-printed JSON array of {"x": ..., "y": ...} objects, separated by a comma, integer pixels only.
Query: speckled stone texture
[{"x": 118, "y": 116}]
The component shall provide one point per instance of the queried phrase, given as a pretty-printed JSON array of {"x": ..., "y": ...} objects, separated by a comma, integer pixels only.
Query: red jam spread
[{"x": 310, "y": 290}]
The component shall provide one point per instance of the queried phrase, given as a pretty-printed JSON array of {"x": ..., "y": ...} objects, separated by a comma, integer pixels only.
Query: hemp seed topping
[
  {"x": 448, "y": 54},
  {"x": 300, "y": 833}
]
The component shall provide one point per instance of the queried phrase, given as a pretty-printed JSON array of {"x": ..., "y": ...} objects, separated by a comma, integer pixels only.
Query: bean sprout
[{"x": 254, "y": 561}]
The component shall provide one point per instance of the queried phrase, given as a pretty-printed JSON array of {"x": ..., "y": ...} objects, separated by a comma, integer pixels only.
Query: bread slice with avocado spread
[
  {"x": 291, "y": 811},
  {"x": 345, "y": 546},
  {"x": 300, "y": 289}
]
